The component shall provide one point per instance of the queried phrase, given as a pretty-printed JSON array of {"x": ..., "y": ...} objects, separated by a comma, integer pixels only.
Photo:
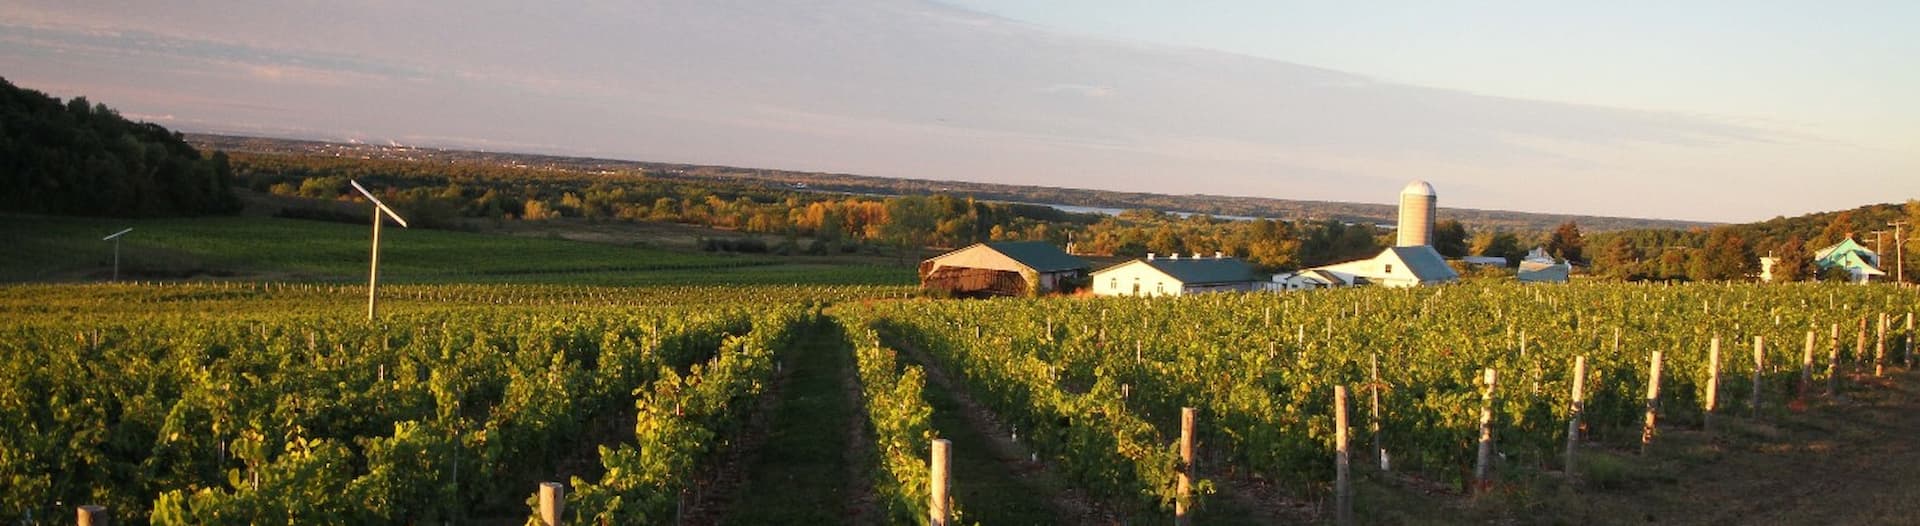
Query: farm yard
[{"x": 250, "y": 402}]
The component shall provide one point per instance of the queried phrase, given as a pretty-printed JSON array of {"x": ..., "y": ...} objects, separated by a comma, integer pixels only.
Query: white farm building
[
  {"x": 1173, "y": 276},
  {"x": 1397, "y": 267}
]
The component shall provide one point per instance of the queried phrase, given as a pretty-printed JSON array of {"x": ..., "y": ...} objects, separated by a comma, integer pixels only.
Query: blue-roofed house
[{"x": 1861, "y": 264}]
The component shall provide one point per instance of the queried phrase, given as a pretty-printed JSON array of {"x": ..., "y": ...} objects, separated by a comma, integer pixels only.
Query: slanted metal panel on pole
[{"x": 115, "y": 237}]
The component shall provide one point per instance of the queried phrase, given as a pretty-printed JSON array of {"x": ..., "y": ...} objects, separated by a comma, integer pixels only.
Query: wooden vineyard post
[
  {"x": 1860, "y": 341},
  {"x": 1183, "y": 490},
  {"x": 937, "y": 504},
  {"x": 1713, "y": 384},
  {"x": 1806, "y": 367},
  {"x": 1579, "y": 405},
  {"x": 1759, "y": 364},
  {"x": 1908, "y": 338},
  {"x": 1833, "y": 361},
  {"x": 1379, "y": 450},
  {"x": 1880, "y": 348},
  {"x": 553, "y": 502},
  {"x": 1342, "y": 486},
  {"x": 1653, "y": 404},
  {"x": 1483, "y": 464},
  {"x": 91, "y": 515}
]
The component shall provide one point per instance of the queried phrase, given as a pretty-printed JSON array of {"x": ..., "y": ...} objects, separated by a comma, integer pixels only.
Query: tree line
[{"x": 80, "y": 158}]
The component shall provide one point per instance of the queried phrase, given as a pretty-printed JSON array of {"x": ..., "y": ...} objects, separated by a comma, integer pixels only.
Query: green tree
[
  {"x": 1500, "y": 245},
  {"x": 1619, "y": 259},
  {"x": 1450, "y": 239}
]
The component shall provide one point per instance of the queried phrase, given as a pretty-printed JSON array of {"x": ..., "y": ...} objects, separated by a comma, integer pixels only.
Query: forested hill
[{"x": 78, "y": 158}]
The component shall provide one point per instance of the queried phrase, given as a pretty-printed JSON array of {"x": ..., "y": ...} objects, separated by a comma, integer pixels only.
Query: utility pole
[{"x": 1900, "y": 251}]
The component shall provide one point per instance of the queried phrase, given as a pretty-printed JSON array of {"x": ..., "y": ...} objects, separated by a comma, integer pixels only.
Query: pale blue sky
[
  {"x": 1721, "y": 111},
  {"x": 1845, "y": 67}
]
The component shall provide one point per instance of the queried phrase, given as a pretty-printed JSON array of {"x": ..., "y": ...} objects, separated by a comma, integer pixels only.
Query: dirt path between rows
[
  {"x": 1854, "y": 462},
  {"x": 1070, "y": 505}
]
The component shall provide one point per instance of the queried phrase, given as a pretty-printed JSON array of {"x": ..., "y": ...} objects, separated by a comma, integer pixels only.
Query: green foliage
[
  {"x": 1450, "y": 239},
  {"x": 900, "y": 420},
  {"x": 82, "y": 159},
  {"x": 1262, "y": 367}
]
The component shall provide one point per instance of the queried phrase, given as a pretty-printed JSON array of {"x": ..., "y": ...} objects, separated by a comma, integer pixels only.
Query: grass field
[{"x": 254, "y": 248}]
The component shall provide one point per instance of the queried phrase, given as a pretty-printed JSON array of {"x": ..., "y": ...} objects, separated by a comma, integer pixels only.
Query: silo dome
[
  {"x": 1418, "y": 188},
  {"x": 1418, "y": 202}
]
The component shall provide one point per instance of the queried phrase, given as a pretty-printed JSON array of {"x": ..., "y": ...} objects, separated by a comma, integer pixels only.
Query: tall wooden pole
[
  {"x": 1379, "y": 450},
  {"x": 1759, "y": 364},
  {"x": 1713, "y": 383},
  {"x": 1182, "y": 509},
  {"x": 1833, "y": 360},
  {"x": 1806, "y": 367},
  {"x": 938, "y": 502},
  {"x": 1579, "y": 405},
  {"x": 1483, "y": 465},
  {"x": 1653, "y": 404},
  {"x": 373, "y": 271},
  {"x": 1880, "y": 348},
  {"x": 1342, "y": 486}
]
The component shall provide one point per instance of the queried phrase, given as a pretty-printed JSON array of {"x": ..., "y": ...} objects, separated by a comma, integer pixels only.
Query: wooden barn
[{"x": 1002, "y": 268}]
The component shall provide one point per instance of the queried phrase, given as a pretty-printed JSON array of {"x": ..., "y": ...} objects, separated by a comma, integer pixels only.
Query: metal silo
[{"x": 1417, "y": 206}]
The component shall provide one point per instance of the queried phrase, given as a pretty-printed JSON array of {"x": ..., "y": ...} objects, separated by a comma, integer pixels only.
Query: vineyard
[{"x": 235, "y": 403}]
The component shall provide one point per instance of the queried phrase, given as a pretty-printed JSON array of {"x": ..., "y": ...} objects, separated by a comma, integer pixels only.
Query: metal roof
[
  {"x": 1041, "y": 256},
  {"x": 1425, "y": 263}
]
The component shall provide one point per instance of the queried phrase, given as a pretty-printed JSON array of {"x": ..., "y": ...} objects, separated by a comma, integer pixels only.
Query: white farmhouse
[
  {"x": 1398, "y": 267},
  {"x": 1173, "y": 276}
]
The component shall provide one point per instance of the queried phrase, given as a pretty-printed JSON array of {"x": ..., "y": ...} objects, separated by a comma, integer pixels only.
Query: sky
[{"x": 1701, "y": 110}]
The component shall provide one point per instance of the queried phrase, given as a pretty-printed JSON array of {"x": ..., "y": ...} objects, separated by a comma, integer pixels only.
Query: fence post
[
  {"x": 1908, "y": 337},
  {"x": 937, "y": 504},
  {"x": 92, "y": 515},
  {"x": 1713, "y": 384},
  {"x": 1759, "y": 364},
  {"x": 1653, "y": 404},
  {"x": 1342, "y": 486},
  {"x": 1579, "y": 405},
  {"x": 1833, "y": 360},
  {"x": 1482, "y": 467},
  {"x": 553, "y": 502},
  {"x": 1860, "y": 342},
  {"x": 1182, "y": 514},
  {"x": 1880, "y": 348},
  {"x": 1379, "y": 450}
]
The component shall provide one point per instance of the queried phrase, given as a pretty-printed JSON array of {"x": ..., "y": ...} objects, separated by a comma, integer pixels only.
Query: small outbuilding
[
  {"x": 1308, "y": 279},
  {"x": 1174, "y": 276},
  {"x": 1540, "y": 267},
  {"x": 1002, "y": 268}
]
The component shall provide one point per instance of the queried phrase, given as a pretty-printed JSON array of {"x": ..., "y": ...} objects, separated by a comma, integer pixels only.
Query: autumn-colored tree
[
  {"x": 1792, "y": 261},
  {"x": 1566, "y": 242},
  {"x": 1726, "y": 257}
]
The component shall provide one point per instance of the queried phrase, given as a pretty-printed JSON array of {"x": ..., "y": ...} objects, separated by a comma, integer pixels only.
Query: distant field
[{"x": 70, "y": 249}]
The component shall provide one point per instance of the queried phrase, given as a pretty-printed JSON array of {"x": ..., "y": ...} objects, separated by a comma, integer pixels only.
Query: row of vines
[{"x": 1097, "y": 385}]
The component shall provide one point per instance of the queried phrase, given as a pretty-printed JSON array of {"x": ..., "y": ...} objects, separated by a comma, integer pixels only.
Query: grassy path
[{"x": 799, "y": 475}]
